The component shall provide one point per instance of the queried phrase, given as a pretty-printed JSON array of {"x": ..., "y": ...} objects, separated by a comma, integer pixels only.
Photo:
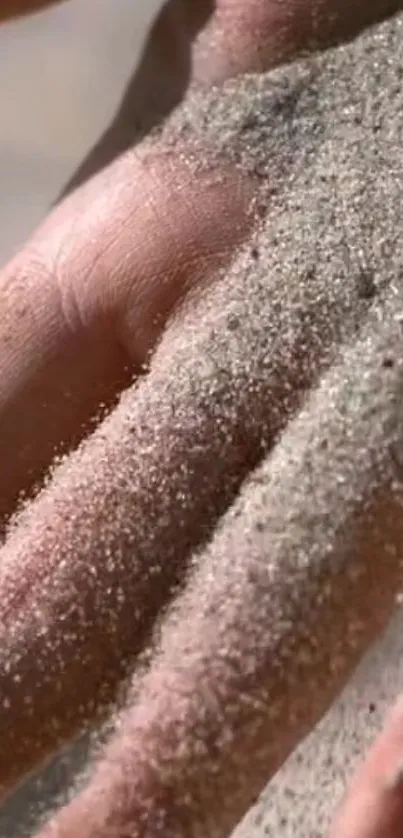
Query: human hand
[{"x": 110, "y": 279}]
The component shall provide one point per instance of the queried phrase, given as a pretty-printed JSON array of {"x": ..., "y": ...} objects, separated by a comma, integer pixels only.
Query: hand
[{"x": 102, "y": 299}]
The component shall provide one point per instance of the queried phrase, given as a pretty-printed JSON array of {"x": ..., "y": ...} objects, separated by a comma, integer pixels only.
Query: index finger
[{"x": 260, "y": 34}]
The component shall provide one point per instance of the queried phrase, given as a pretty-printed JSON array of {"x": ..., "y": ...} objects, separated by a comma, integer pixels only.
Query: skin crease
[{"x": 57, "y": 352}]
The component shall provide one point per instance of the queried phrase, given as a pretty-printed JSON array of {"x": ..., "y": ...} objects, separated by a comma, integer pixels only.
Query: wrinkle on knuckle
[
  {"x": 186, "y": 241},
  {"x": 79, "y": 267},
  {"x": 63, "y": 268},
  {"x": 29, "y": 276}
]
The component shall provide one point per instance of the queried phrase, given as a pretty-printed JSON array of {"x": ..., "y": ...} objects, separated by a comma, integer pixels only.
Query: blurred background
[{"x": 62, "y": 75}]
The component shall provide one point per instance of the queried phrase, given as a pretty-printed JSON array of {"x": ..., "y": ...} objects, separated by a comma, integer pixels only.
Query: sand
[{"x": 324, "y": 138}]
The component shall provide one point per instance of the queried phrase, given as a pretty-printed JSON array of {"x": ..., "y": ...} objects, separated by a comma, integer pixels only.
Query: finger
[
  {"x": 97, "y": 554},
  {"x": 299, "y": 578},
  {"x": 84, "y": 303},
  {"x": 208, "y": 43},
  {"x": 373, "y": 807},
  {"x": 257, "y": 35},
  {"x": 120, "y": 516}
]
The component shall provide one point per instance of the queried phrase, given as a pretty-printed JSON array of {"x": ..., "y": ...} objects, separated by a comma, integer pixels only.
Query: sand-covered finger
[{"x": 301, "y": 575}]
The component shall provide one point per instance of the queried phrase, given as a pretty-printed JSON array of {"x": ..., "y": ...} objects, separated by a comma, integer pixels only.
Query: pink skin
[
  {"x": 96, "y": 266},
  {"x": 373, "y": 807}
]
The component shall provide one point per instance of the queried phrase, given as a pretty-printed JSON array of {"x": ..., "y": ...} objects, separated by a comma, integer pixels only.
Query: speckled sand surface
[{"x": 300, "y": 799}]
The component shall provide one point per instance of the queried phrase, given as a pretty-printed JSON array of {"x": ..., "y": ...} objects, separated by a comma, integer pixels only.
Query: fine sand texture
[{"x": 315, "y": 301}]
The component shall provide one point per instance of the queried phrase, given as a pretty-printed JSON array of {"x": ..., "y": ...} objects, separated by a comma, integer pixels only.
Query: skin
[
  {"x": 103, "y": 308},
  {"x": 373, "y": 804}
]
